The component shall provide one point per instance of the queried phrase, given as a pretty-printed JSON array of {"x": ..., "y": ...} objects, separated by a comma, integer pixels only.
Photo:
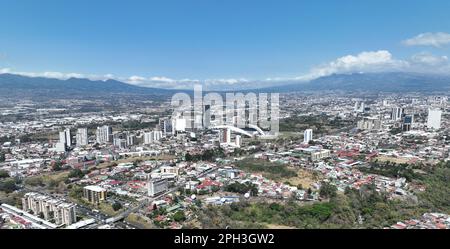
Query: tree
[
  {"x": 8, "y": 185},
  {"x": 188, "y": 157},
  {"x": 4, "y": 174},
  {"x": 179, "y": 216},
  {"x": 57, "y": 166},
  {"x": 116, "y": 206},
  {"x": 327, "y": 190},
  {"x": 2, "y": 156},
  {"x": 76, "y": 173}
]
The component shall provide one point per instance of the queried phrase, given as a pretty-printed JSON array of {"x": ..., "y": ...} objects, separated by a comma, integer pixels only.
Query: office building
[
  {"x": 407, "y": 122},
  {"x": 157, "y": 186},
  {"x": 166, "y": 126}
]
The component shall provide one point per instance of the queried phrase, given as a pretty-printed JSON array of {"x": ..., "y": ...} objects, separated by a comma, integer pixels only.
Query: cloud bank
[{"x": 438, "y": 40}]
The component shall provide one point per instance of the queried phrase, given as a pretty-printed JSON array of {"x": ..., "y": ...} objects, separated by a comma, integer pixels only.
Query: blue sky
[{"x": 174, "y": 42}]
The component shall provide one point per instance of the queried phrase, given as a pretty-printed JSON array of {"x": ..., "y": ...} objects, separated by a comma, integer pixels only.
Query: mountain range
[
  {"x": 17, "y": 85},
  {"x": 372, "y": 82},
  {"x": 23, "y": 86}
]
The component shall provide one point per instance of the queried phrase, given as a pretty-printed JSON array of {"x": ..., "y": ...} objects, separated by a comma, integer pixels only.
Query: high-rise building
[
  {"x": 94, "y": 194},
  {"x": 65, "y": 137},
  {"x": 434, "y": 119},
  {"x": 65, "y": 140},
  {"x": 307, "y": 136},
  {"x": 82, "y": 137},
  {"x": 359, "y": 107},
  {"x": 166, "y": 126},
  {"x": 131, "y": 139},
  {"x": 157, "y": 135},
  {"x": 148, "y": 138},
  {"x": 397, "y": 113},
  {"x": 407, "y": 122},
  {"x": 62, "y": 137},
  {"x": 157, "y": 186},
  {"x": 120, "y": 143},
  {"x": 68, "y": 137},
  {"x": 104, "y": 134}
]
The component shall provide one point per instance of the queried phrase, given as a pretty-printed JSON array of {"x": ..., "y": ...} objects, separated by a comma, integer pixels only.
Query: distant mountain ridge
[
  {"x": 379, "y": 82},
  {"x": 12, "y": 85},
  {"x": 17, "y": 84}
]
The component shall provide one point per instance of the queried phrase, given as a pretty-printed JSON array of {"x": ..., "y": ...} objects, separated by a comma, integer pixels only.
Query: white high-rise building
[
  {"x": 434, "y": 119},
  {"x": 65, "y": 140},
  {"x": 68, "y": 137},
  {"x": 157, "y": 135},
  {"x": 104, "y": 134},
  {"x": 157, "y": 186},
  {"x": 62, "y": 137},
  {"x": 131, "y": 139},
  {"x": 307, "y": 136},
  {"x": 397, "y": 113},
  {"x": 82, "y": 137},
  {"x": 148, "y": 138}
]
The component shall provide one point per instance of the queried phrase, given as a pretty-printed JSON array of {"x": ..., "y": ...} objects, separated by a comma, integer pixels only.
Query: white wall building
[
  {"x": 157, "y": 186},
  {"x": 434, "y": 119},
  {"x": 307, "y": 136},
  {"x": 104, "y": 134},
  {"x": 82, "y": 137}
]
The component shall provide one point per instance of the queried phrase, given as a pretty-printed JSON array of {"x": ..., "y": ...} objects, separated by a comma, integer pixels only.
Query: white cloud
[
  {"x": 230, "y": 81},
  {"x": 136, "y": 79},
  {"x": 429, "y": 59},
  {"x": 371, "y": 61},
  {"x": 162, "y": 79},
  {"x": 5, "y": 70},
  {"x": 429, "y": 39}
]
